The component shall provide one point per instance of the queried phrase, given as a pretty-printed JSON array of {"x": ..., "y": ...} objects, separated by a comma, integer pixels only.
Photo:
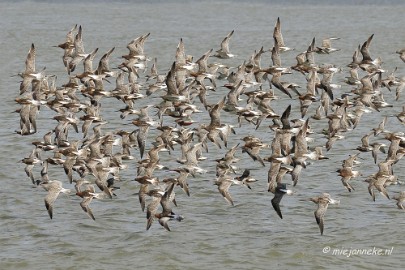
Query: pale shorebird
[
  {"x": 167, "y": 213},
  {"x": 353, "y": 79},
  {"x": 401, "y": 115},
  {"x": 224, "y": 52},
  {"x": 310, "y": 96},
  {"x": 47, "y": 144},
  {"x": 300, "y": 151},
  {"x": 322, "y": 201},
  {"x": 316, "y": 154},
  {"x": 401, "y": 53},
  {"x": 252, "y": 147},
  {"x": 355, "y": 59},
  {"x": 225, "y": 164},
  {"x": 376, "y": 147},
  {"x": 319, "y": 113},
  {"x": 164, "y": 197},
  {"x": 181, "y": 179},
  {"x": 348, "y": 173},
  {"x": 88, "y": 195},
  {"x": 391, "y": 80},
  {"x": 136, "y": 58},
  {"x": 224, "y": 182},
  {"x": 364, "y": 50},
  {"x": 365, "y": 145},
  {"x": 53, "y": 187},
  {"x": 29, "y": 69},
  {"x": 284, "y": 86},
  {"x": 68, "y": 46},
  {"x": 145, "y": 182},
  {"x": 381, "y": 127},
  {"x": 351, "y": 161},
  {"x": 400, "y": 87},
  {"x": 30, "y": 161},
  {"x": 266, "y": 110},
  {"x": 378, "y": 182},
  {"x": 78, "y": 54},
  {"x": 326, "y": 47},
  {"x": 303, "y": 64},
  {"x": 400, "y": 198},
  {"x": 104, "y": 64},
  {"x": 278, "y": 37},
  {"x": 152, "y": 208},
  {"x": 396, "y": 139},
  {"x": 184, "y": 62}
]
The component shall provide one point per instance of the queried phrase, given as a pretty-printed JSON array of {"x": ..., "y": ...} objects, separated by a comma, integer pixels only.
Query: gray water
[{"x": 213, "y": 234}]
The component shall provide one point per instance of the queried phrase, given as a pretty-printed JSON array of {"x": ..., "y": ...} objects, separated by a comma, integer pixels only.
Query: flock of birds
[{"x": 93, "y": 156}]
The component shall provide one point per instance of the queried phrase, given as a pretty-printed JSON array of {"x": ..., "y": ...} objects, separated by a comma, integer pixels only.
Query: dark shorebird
[
  {"x": 280, "y": 191},
  {"x": 245, "y": 179},
  {"x": 164, "y": 220}
]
